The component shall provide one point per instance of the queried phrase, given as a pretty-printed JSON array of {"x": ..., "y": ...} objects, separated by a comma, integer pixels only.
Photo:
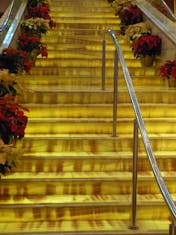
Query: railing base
[
  {"x": 172, "y": 229},
  {"x": 133, "y": 227}
]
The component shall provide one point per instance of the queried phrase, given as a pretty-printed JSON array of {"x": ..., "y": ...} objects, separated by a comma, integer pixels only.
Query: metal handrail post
[
  {"x": 172, "y": 228},
  {"x": 103, "y": 63},
  {"x": 115, "y": 94},
  {"x": 134, "y": 178}
]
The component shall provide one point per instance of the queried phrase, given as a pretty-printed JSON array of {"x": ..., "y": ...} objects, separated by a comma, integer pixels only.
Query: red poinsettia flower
[
  {"x": 13, "y": 59},
  {"x": 131, "y": 15},
  {"x": 12, "y": 119},
  {"x": 147, "y": 45},
  {"x": 168, "y": 69}
]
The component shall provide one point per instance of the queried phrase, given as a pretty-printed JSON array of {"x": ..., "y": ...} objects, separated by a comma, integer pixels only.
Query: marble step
[
  {"x": 99, "y": 110},
  {"x": 74, "y": 207},
  {"x": 81, "y": 62},
  {"x": 45, "y": 82},
  {"x": 97, "y": 126},
  {"x": 39, "y": 94},
  {"x": 93, "y": 14},
  {"x": 90, "y": 161},
  {"x": 83, "y": 39},
  {"x": 72, "y": 52},
  {"x": 81, "y": 183},
  {"x": 89, "y": 71},
  {"x": 87, "y": 21},
  {"x": 85, "y": 227},
  {"x": 35, "y": 143}
]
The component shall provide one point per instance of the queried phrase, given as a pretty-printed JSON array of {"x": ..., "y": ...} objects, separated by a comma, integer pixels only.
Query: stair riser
[
  {"x": 80, "y": 63},
  {"x": 57, "y": 13},
  {"x": 96, "y": 127},
  {"x": 58, "y": 213},
  {"x": 29, "y": 164},
  {"x": 51, "y": 186},
  {"x": 74, "y": 9},
  {"x": 85, "y": 145},
  {"x": 85, "y": 71},
  {"x": 124, "y": 111},
  {"x": 61, "y": 97},
  {"x": 75, "y": 26},
  {"x": 71, "y": 52},
  {"x": 86, "y": 22},
  {"x": 94, "y": 83}
]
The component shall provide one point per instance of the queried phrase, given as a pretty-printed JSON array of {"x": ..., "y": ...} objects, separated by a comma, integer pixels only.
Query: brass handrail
[
  {"x": 168, "y": 10},
  {"x": 6, "y": 20},
  {"x": 13, "y": 26},
  {"x": 140, "y": 123}
]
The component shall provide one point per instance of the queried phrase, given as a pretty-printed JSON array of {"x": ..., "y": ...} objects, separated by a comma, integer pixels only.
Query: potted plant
[
  {"x": 146, "y": 48},
  {"x": 120, "y": 5},
  {"x": 129, "y": 16},
  {"x": 12, "y": 120},
  {"x": 32, "y": 46},
  {"x": 9, "y": 84},
  {"x": 14, "y": 60},
  {"x": 41, "y": 11},
  {"x": 135, "y": 31},
  {"x": 168, "y": 70},
  {"x": 35, "y": 26},
  {"x": 9, "y": 156},
  {"x": 35, "y": 3}
]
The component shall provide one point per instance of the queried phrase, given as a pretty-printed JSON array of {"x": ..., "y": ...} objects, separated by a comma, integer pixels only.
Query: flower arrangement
[
  {"x": 35, "y": 26},
  {"x": 131, "y": 15},
  {"x": 14, "y": 60},
  {"x": 12, "y": 119},
  {"x": 35, "y": 3},
  {"x": 135, "y": 31},
  {"x": 120, "y": 5},
  {"x": 147, "y": 45},
  {"x": 168, "y": 69},
  {"x": 9, "y": 84},
  {"x": 29, "y": 43},
  {"x": 41, "y": 11},
  {"x": 9, "y": 156}
]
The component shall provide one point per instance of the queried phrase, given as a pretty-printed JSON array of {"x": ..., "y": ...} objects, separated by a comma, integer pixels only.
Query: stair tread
[
  {"x": 99, "y": 155},
  {"x": 153, "y": 227},
  {"x": 71, "y": 176},
  {"x": 104, "y": 120},
  {"x": 96, "y": 136},
  {"x": 68, "y": 200}
]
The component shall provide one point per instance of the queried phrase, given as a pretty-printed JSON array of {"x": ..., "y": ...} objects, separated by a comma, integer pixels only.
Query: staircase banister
[
  {"x": 158, "y": 19},
  {"x": 5, "y": 18},
  {"x": 168, "y": 10},
  {"x": 14, "y": 25},
  {"x": 166, "y": 195}
]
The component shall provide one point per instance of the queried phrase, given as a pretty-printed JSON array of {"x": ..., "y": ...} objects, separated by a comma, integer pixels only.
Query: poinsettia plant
[
  {"x": 28, "y": 43},
  {"x": 9, "y": 156},
  {"x": 120, "y": 5},
  {"x": 35, "y": 26},
  {"x": 34, "y": 3},
  {"x": 13, "y": 121},
  {"x": 131, "y": 15},
  {"x": 9, "y": 84},
  {"x": 168, "y": 69},
  {"x": 135, "y": 31},
  {"x": 147, "y": 45},
  {"x": 14, "y": 60}
]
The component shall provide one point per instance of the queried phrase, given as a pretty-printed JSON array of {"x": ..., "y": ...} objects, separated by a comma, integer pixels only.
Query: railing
[
  {"x": 6, "y": 16},
  {"x": 166, "y": 26},
  {"x": 11, "y": 22},
  {"x": 138, "y": 123},
  {"x": 168, "y": 10}
]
